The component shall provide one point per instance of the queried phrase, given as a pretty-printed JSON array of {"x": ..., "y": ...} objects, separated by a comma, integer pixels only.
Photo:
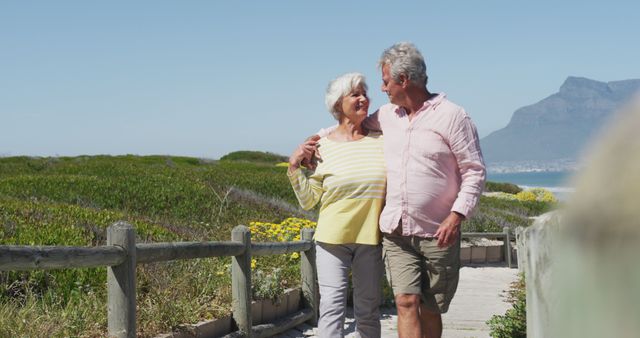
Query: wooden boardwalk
[{"x": 481, "y": 294}]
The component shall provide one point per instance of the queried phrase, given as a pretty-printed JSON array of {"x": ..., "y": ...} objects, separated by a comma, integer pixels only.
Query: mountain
[{"x": 559, "y": 126}]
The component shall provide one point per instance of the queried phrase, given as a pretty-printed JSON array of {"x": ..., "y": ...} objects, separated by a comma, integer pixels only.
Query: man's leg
[
  {"x": 441, "y": 272},
  {"x": 431, "y": 323},
  {"x": 404, "y": 266},
  {"x": 409, "y": 319}
]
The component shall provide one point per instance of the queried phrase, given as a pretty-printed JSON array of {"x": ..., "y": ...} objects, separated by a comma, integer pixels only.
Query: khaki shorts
[{"x": 418, "y": 266}]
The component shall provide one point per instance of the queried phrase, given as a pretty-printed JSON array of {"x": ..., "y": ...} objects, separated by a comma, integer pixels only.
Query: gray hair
[
  {"x": 339, "y": 87},
  {"x": 404, "y": 58}
]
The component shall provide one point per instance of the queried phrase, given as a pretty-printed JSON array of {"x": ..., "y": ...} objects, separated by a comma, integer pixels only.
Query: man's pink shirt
[{"x": 434, "y": 165}]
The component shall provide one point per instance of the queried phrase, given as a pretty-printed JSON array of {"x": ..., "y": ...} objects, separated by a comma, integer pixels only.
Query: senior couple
[{"x": 394, "y": 187}]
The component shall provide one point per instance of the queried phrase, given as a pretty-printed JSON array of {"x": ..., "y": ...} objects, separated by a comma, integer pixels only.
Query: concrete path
[{"x": 481, "y": 294}]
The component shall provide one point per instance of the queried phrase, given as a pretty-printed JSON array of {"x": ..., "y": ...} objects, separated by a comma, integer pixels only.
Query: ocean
[{"x": 556, "y": 182}]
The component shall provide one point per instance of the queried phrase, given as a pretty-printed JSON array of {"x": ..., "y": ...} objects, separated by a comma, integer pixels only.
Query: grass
[
  {"x": 493, "y": 214},
  {"x": 502, "y": 187},
  {"x": 71, "y": 201}
]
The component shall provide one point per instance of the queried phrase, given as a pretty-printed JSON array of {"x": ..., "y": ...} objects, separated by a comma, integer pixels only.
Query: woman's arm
[
  {"x": 308, "y": 190},
  {"x": 303, "y": 153}
]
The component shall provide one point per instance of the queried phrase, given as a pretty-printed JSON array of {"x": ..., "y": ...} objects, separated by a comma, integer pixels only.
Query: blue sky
[{"x": 204, "y": 78}]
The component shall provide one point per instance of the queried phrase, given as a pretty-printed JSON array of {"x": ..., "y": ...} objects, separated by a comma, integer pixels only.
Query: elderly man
[{"x": 435, "y": 176}]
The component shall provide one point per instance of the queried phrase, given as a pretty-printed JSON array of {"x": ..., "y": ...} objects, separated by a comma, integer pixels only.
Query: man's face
[{"x": 393, "y": 89}]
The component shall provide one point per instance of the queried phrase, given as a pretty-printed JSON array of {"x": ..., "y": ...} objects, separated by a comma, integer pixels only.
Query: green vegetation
[
  {"x": 254, "y": 156},
  {"x": 509, "y": 188},
  {"x": 513, "y": 324},
  {"x": 71, "y": 201},
  {"x": 493, "y": 214}
]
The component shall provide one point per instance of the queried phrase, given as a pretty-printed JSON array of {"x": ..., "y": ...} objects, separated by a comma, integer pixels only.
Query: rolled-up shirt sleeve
[{"x": 465, "y": 146}]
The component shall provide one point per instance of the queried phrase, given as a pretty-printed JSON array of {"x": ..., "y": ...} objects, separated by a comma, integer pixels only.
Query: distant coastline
[
  {"x": 558, "y": 165},
  {"x": 555, "y": 181}
]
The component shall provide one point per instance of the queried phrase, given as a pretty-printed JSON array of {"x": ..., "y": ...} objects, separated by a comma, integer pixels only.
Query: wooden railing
[
  {"x": 122, "y": 254},
  {"x": 505, "y": 236}
]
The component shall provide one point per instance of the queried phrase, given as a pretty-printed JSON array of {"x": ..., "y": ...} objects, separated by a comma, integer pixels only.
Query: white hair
[
  {"x": 339, "y": 87},
  {"x": 405, "y": 59}
]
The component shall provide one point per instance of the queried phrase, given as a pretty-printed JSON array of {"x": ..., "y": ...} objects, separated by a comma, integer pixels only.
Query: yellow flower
[
  {"x": 295, "y": 255},
  {"x": 254, "y": 263},
  {"x": 536, "y": 194},
  {"x": 526, "y": 196},
  {"x": 544, "y": 195}
]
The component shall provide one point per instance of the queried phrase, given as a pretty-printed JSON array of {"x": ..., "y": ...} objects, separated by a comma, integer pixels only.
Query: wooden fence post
[
  {"x": 521, "y": 248},
  {"x": 121, "y": 283},
  {"x": 241, "y": 281},
  {"x": 308, "y": 274},
  {"x": 507, "y": 245}
]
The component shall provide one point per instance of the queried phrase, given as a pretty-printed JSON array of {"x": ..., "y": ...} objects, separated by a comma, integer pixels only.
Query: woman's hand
[{"x": 303, "y": 152}]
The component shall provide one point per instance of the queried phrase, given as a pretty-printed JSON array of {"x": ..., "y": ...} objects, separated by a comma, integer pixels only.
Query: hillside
[
  {"x": 174, "y": 191},
  {"x": 71, "y": 200},
  {"x": 559, "y": 126}
]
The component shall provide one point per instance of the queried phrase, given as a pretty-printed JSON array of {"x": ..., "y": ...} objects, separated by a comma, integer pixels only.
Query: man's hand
[
  {"x": 311, "y": 161},
  {"x": 449, "y": 230}
]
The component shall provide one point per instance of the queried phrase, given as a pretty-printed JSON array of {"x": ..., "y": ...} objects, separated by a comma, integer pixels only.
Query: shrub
[
  {"x": 287, "y": 265},
  {"x": 267, "y": 285},
  {"x": 287, "y": 230},
  {"x": 526, "y": 196},
  {"x": 504, "y": 195},
  {"x": 544, "y": 195},
  {"x": 254, "y": 156},
  {"x": 536, "y": 194},
  {"x": 513, "y": 324},
  {"x": 509, "y": 188}
]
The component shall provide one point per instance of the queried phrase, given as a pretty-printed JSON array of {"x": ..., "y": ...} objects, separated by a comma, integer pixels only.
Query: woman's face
[{"x": 355, "y": 105}]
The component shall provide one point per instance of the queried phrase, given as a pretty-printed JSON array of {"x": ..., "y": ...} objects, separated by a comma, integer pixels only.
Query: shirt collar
[{"x": 432, "y": 102}]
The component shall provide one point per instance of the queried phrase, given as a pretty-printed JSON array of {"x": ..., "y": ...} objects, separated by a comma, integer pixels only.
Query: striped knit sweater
[{"x": 350, "y": 185}]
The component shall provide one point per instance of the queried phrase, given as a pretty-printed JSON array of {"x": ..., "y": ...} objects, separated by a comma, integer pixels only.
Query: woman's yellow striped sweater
[{"x": 350, "y": 185}]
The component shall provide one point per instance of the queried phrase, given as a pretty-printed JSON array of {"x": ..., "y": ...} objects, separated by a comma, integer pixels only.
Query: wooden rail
[
  {"x": 505, "y": 235},
  {"x": 121, "y": 254},
  {"x": 161, "y": 252},
  {"x": 23, "y": 257}
]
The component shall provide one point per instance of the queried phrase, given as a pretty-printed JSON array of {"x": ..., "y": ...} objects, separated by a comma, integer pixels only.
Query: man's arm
[
  {"x": 323, "y": 132},
  {"x": 449, "y": 229},
  {"x": 465, "y": 145},
  {"x": 372, "y": 122}
]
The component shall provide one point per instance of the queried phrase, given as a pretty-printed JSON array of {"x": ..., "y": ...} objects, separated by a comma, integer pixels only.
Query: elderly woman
[{"x": 349, "y": 183}]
